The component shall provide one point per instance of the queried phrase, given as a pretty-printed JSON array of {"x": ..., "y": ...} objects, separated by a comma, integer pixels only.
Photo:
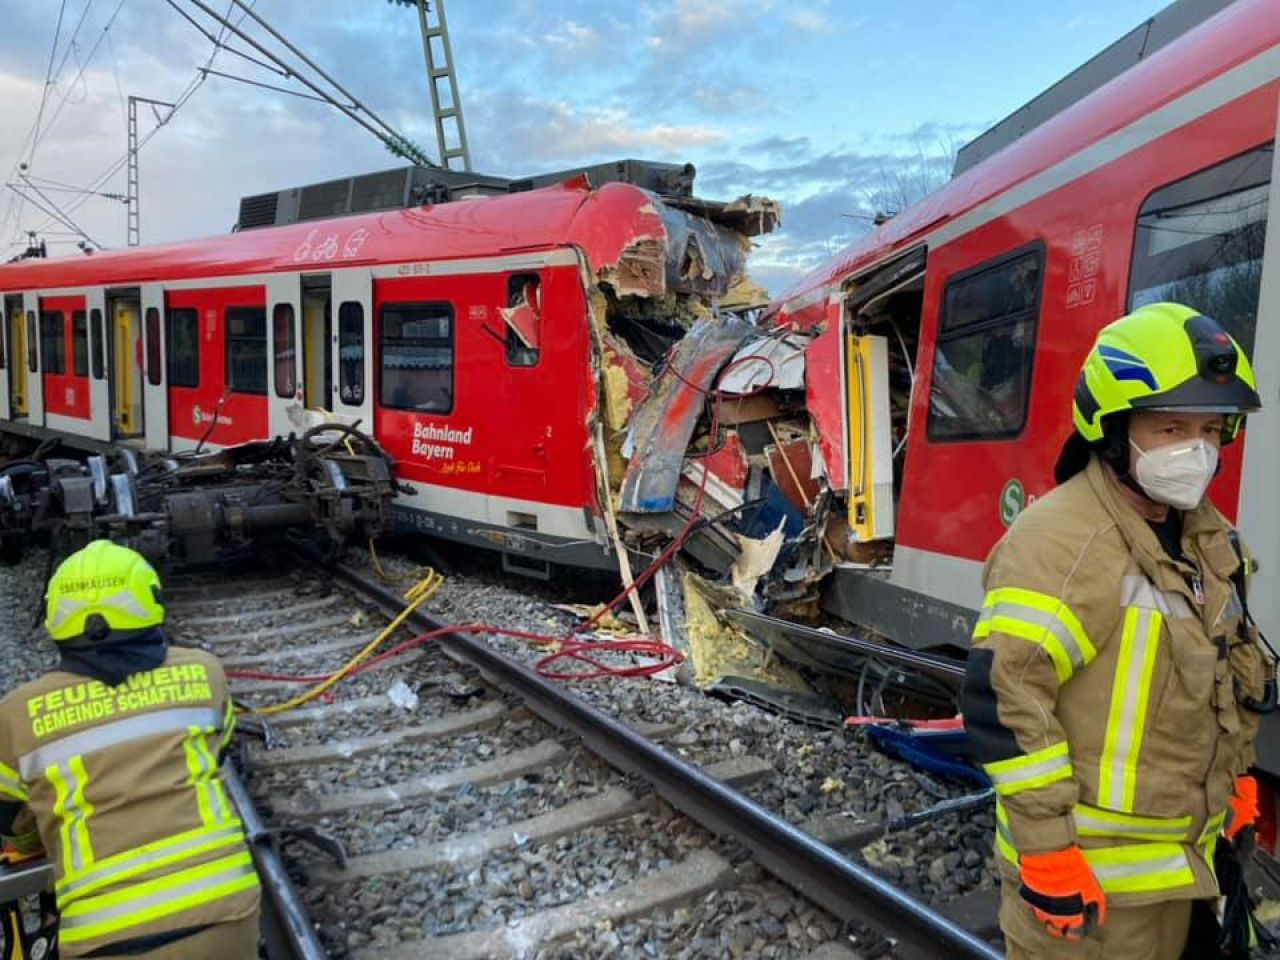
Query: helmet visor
[{"x": 1199, "y": 395}]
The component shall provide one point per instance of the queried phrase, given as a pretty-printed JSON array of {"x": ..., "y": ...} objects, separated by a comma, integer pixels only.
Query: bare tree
[{"x": 908, "y": 180}]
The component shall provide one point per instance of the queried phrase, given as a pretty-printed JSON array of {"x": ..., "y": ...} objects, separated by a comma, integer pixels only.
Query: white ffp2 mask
[{"x": 1178, "y": 474}]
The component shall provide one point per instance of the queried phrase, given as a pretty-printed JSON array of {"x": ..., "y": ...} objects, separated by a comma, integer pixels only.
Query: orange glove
[
  {"x": 1242, "y": 811},
  {"x": 10, "y": 855},
  {"x": 1063, "y": 892}
]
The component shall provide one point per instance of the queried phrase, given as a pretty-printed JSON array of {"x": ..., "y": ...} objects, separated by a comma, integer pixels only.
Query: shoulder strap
[
  {"x": 1270, "y": 697},
  {"x": 1240, "y": 578}
]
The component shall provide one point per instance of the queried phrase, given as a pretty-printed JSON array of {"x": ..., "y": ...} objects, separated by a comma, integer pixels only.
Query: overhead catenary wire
[
  {"x": 58, "y": 187},
  {"x": 94, "y": 186},
  {"x": 388, "y": 135},
  {"x": 264, "y": 86},
  {"x": 39, "y": 130},
  {"x": 271, "y": 62},
  {"x": 220, "y": 44},
  {"x": 71, "y": 43},
  {"x": 257, "y": 18},
  {"x": 52, "y": 209},
  {"x": 98, "y": 182},
  {"x": 44, "y": 100},
  {"x": 84, "y": 65}
]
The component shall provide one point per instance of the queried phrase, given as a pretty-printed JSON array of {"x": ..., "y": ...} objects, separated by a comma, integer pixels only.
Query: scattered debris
[
  {"x": 720, "y": 651},
  {"x": 756, "y": 559},
  {"x": 402, "y": 696},
  {"x": 608, "y": 623}
]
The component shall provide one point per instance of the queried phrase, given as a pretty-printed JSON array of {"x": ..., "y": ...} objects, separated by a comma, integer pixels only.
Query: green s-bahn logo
[{"x": 1013, "y": 500}]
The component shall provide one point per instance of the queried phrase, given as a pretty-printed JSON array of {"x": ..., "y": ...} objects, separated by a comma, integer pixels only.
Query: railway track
[{"x": 451, "y": 803}]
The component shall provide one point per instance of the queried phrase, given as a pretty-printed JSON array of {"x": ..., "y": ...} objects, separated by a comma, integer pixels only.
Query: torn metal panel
[
  {"x": 702, "y": 257},
  {"x": 641, "y": 270},
  {"x": 668, "y": 590},
  {"x": 831, "y": 652},
  {"x": 739, "y": 410},
  {"x": 755, "y": 561},
  {"x": 744, "y": 295},
  {"x": 825, "y": 398},
  {"x": 712, "y": 545},
  {"x": 663, "y": 425},
  {"x": 729, "y": 470},
  {"x": 767, "y": 362},
  {"x": 722, "y": 494},
  {"x": 749, "y": 215},
  {"x": 791, "y": 463},
  {"x": 720, "y": 650},
  {"x": 811, "y": 709},
  {"x": 701, "y": 248},
  {"x": 525, "y": 316}
]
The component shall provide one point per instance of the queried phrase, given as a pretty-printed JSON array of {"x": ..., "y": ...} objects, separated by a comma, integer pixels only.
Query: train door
[
  {"x": 352, "y": 346},
  {"x": 13, "y": 370},
  {"x": 125, "y": 338},
  {"x": 15, "y": 332},
  {"x": 31, "y": 336},
  {"x": 522, "y": 467},
  {"x": 155, "y": 399},
  {"x": 284, "y": 390},
  {"x": 317, "y": 338},
  {"x": 64, "y": 362},
  {"x": 99, "y": 385},
  {"x": 881, "y": 326}
]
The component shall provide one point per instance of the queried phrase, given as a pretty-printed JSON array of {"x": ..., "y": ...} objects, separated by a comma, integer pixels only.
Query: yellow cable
[
  {"x": 416, "y": 573},
  {"x": 416, "y": 596}
]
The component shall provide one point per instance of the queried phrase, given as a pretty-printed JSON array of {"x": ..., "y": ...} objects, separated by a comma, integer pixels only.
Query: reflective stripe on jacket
[
  {"x": 124, "y": 787},
  {"x": 1102, "y": 689}
]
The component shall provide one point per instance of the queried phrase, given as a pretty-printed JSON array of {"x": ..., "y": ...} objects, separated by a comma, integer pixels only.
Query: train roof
[
  {"x": 1232, "y": 37},
  {"x": 602, "y": 222}
]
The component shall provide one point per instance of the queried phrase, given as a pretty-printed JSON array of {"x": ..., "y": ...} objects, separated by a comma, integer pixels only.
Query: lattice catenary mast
[{"x": 451, "y": 131}]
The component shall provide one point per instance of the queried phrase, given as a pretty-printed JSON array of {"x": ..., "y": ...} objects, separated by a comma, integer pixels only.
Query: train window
[
  {"x": 247, "y": 349},
  {"x": 986, "y": 345},
  {"x": 80, "y": 344},
  {"x": 184, "y": 346},
  {"x": 351, "y": 353},
  {"x": 31, "y": 341},
  {"x": 154, "y": 376},
  {"x": 1200, "y": 242},
  {"x": 53, "y": 348},
  {"x": 417, "y": 357},
  {"x": 98, "y": 352},
  {"x": 523, "y": 315},
  {"x": 285, "y": 354}
]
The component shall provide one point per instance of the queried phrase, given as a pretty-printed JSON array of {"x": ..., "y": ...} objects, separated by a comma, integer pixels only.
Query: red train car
[
  {"x": 470, "y": 336},
  {"x": 945, "y": 344}
]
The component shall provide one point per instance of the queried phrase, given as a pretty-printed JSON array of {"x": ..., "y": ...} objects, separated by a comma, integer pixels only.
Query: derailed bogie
[{"x": 199, "y": 508}]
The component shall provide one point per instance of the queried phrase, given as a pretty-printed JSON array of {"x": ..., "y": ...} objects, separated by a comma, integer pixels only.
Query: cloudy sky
[{"x": 831, "y": 106}]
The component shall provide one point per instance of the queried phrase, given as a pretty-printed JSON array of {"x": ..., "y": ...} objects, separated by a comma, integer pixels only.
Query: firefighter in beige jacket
[
  {"x": 110, "y": 765},
  {"x": 1114, "y": 688}
]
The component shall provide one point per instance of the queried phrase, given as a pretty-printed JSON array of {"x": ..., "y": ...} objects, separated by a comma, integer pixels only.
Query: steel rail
[
  {"x": 816, "y": 871},
  {"x": 286, "y": 927}
]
